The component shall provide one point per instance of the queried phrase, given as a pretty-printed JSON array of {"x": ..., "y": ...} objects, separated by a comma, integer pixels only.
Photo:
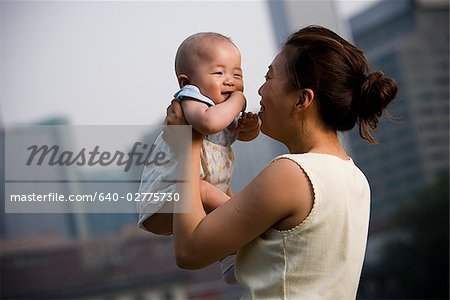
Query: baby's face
[{"x": 218, "y": 72}]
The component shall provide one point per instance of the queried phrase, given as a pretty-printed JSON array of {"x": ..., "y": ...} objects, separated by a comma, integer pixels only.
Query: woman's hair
[{"x": 337, "y": 72}]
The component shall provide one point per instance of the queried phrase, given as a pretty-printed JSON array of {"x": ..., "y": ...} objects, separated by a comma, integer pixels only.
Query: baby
[{"x": 208, "y": 68}]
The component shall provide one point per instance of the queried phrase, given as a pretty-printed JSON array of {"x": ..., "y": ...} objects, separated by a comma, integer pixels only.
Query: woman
[{"x": 300, "y": 226}]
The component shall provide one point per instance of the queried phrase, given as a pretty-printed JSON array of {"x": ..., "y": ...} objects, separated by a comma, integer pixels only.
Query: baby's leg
[
  {"x": 160, "y": 223},
  {"x": 227, "y": 268},
  {"x": 211, "y": 196}
]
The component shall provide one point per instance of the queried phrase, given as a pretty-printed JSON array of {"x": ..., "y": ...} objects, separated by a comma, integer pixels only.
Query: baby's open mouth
[{"x": 227, "y": 94}]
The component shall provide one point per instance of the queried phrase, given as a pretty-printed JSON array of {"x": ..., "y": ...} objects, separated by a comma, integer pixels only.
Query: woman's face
[{"x": 276, "y": 100}]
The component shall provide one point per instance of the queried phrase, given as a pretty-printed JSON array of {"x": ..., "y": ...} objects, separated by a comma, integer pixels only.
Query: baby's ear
[{"x": 183, "y": 79}]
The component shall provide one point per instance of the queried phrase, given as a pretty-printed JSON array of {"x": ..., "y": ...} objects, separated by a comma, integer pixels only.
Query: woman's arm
[
  {"x": 279, "y": 195},
  {"x": 280, "y": 191},
  {"x": 210, "y": 120}
]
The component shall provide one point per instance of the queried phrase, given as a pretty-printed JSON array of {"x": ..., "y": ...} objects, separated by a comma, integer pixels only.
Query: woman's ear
[
  {"x": 305, "y": 98},
  {"x": 183, "y": 79}
]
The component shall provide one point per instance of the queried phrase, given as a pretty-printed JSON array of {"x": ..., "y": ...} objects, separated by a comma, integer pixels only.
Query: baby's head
[{"x": 212, "y": 62}]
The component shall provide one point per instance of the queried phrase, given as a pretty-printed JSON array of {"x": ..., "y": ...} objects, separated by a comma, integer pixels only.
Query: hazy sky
[
  {"x": 349, "y": 7},
  {"x": 112, "y": 62}
]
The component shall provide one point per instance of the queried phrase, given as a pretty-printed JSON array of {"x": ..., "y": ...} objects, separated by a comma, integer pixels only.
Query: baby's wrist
[{"x": 239, "y": 98}]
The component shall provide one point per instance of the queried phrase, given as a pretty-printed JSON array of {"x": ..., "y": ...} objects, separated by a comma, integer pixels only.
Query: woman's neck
[{"x": 319, "y": 141}]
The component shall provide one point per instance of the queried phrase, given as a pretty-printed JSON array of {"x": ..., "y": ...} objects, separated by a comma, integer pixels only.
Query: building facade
[{"x": 409, "y": 41}]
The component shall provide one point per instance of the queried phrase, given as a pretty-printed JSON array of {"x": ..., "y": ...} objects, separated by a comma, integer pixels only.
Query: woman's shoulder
[
  {"x": 313, "y": 163},
  {"x": 294, "y": 190},
  {"x": 279, "y": 195},
  {"x": 312, "y": 156},
  {"x": 276, "y": 185},
  {"x": 285, "y": 181},
  {"x": 285, "y": 168}
]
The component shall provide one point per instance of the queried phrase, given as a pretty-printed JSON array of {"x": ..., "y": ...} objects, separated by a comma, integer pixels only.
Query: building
[
  {"x": 290, "y": 15},
  {"x": 409, "y": 41},
  {"x": 17, "y": 221}
]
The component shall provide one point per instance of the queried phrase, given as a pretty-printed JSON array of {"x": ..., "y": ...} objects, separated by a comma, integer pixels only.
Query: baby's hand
[
  {"x": 239, "y": 96},
  {"x": 247, "y": 122}
]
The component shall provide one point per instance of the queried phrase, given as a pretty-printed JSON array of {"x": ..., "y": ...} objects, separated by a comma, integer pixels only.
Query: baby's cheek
[{"x": 240, "y": 86}]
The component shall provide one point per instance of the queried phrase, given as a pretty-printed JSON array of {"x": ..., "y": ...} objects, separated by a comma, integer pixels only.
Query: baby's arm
[
  {"x": 210, "y": 120},
  {"x": 248, "y": 127}
]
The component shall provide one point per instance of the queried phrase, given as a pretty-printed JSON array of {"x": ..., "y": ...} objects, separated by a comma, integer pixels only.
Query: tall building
[
  {"x": 409, "y": 41},
  {"x": 2, "y": 185},
  {"x": 290, "y": 15},
  {"x": 16, "y": 220}
]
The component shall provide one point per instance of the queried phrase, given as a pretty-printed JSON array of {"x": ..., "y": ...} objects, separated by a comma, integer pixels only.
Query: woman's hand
[
  {"x": 172, "y": 134},
  {"x": 174, "y": 114}
]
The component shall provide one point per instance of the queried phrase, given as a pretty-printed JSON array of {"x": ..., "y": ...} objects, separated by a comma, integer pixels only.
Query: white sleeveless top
[{"x": 322, "y": 257}]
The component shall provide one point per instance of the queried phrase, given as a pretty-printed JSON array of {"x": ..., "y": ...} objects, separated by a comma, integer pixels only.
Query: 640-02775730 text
[{"x": 102, "y": 197}]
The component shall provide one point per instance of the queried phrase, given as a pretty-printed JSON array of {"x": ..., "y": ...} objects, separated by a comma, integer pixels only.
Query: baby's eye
[
  {"x": 237, "y": 75},
  {"x": 218, "y": 73}
]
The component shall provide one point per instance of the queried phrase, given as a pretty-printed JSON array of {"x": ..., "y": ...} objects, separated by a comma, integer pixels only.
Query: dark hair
[{"x": 337, "y": 72}]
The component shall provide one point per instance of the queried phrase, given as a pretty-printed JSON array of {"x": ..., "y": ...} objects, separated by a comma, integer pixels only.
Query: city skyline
[{"x": 114, "y": 68}]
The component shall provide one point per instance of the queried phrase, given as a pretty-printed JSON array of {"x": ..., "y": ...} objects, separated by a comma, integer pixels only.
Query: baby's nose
[{"x": 229, "y": 80}]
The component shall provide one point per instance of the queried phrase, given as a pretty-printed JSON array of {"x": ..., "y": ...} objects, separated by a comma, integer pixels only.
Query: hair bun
[{"x": 376, "y": 93}]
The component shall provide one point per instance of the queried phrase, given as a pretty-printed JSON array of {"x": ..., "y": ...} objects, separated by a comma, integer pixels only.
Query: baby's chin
[
  {"x": 222, "y": 98},
  {"x": 226, "y": 96}
]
